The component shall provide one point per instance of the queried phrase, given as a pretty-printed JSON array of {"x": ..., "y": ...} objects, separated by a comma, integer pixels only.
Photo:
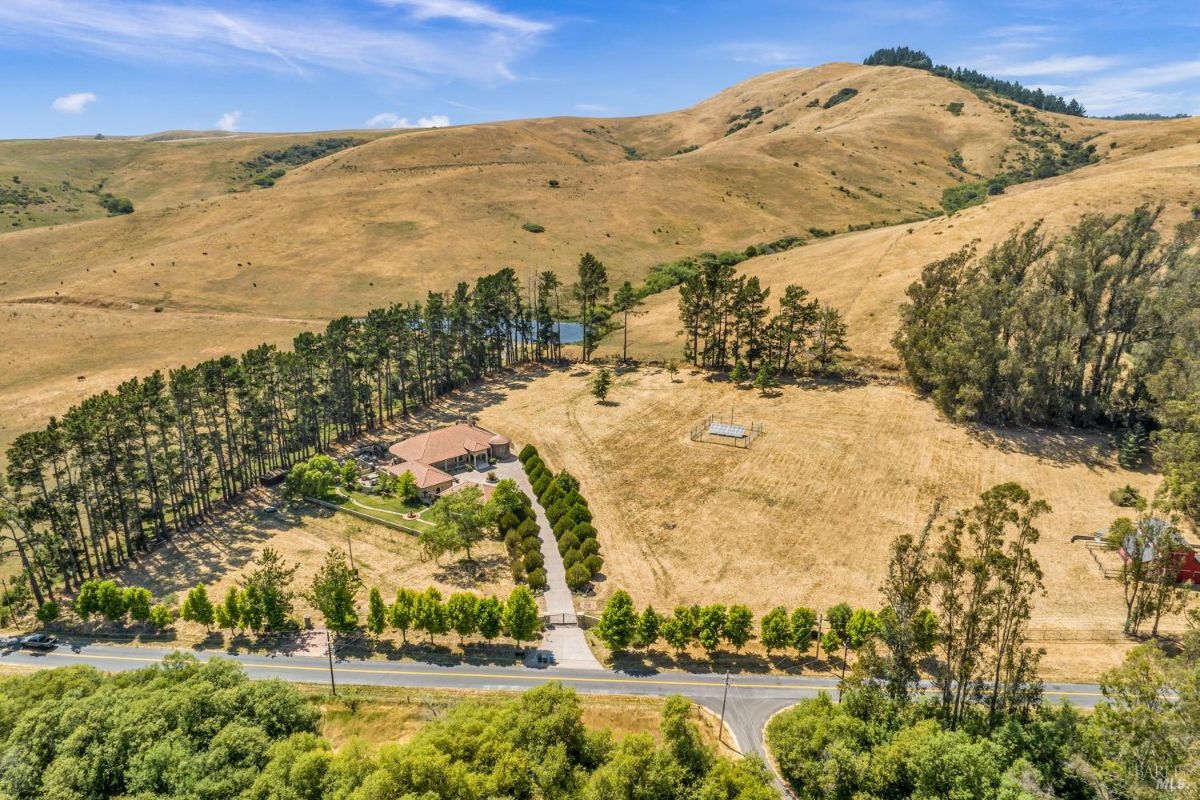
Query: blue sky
[{"x": 138, "y": 66}]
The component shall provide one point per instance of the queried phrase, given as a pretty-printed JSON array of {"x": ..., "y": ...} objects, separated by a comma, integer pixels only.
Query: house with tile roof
[{"x": 433, "y": 457}]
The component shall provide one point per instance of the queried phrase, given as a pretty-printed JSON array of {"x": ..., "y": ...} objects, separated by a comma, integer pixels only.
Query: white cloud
[
  {"x": 769, "y": 53},
  {"x": 73, "y": 103},
  {"x": 389, "y": 120},
  {"x": 1165, "y": 89},
  {"x": 468, "y": 12},
  {"x": 1055, "y": 65},
  {"x": 229, "y": 121},
  {"x": 436, "y": 38}
]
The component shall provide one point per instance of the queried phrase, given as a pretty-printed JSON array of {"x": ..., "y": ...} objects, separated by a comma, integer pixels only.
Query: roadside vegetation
[
  {"x": 189, "y": 729},
  {"x": 570, "y": 518}
]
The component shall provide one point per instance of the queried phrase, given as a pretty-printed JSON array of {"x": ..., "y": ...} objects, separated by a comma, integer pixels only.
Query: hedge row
[
  {"x": 569, "y": 517},
  {"x": 524, "y": 545}
]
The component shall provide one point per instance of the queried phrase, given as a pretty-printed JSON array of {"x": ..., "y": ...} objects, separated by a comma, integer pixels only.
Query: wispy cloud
[
  {"x": 1165, "y": 88},
  {"x": 411, "y": 39},
  {"x": 1055, "y": 65},
  {"x": 767, "y": 53},
  {"x": 389, "y": 120},
  {"x": 470, "y": 13},
  {"x": 592, "y": 108},
  {"x": 73, "y": 103},
  {"x": 229, "y": 121}
]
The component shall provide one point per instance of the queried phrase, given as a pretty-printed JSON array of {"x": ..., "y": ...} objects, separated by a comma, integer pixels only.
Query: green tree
[
  {"x": 376, "y": 612},
  {"x": 618, "y": 622},
  {"x": 625, "y": 302},
  {"x": 804, "y": 625},
  {"x": 601, "y": 383},
  {"x": 590, "y": 289},
  {"x": 862, "y": 629},
  {"x": 401, "y": 613},
  {"x": 462, "y": 614},
  {"x": 764, "y": 379},
  {"x": 460, "y": 521},
  {"x": 333, "y": 592},
  {"x": 672, "y": 369},
  {"x": 521, "y": 614},
  {"x": 270, "y": 602},
  {"x": 138, "y": 600},
  {"x": 197, "y": 607},
  {"x": 312, "y": 478},
  {"x": 489, "y": 617},
  {"x": 161, "y": 617},
  {"x": 578, "y": 577},
  {"x": 87, "y": 599},
  {"x": 429, "y": 613},
  {"x": 112, "y": 601},
  {"x": 775, "y": 630},
  {"x": 740, "y": 373},
  {"x": 838, "y": 617},
  {"x": 47, "y": 612},
  {"x": 648, "y": 626},
  {"x": 711, "y": 625},
  {"x": 233, "y": 609},
  {"x": 406, "y": 487},
  {"x": 828, "y": 340},
  {"x": 739, "y": 627}
]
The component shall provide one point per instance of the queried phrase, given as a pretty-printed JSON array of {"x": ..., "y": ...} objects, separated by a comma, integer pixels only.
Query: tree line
[
  {"x": 1098, "y": 327},
  {"x": 569, "y": 517},
  {"x": 191, "y": 729},
  {"x": 918, "y": 59},
  {"x": 126, "y": 469},
  {"x": 1140, "y": 741},
  {"x": 726, "y": 319}
]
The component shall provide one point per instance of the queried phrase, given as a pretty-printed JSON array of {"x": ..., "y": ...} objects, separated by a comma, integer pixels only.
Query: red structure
[{"x": 1185, "y": 559}]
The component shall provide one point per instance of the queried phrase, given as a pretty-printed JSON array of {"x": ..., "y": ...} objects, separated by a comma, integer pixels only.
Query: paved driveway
[{"x": 565, "y": 641}]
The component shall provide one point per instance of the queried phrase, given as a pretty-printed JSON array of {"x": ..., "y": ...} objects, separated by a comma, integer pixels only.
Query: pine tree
[{"x": 601, "y": 383}]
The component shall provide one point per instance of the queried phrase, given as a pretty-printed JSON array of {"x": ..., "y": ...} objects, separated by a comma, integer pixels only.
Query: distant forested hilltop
[{"x": 919, "y": 59}]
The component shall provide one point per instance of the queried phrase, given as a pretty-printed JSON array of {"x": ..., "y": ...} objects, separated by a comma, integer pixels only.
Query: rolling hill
[{"x": 209, "y": 263}]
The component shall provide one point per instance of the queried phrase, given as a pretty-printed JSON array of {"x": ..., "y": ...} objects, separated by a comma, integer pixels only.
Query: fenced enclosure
[{"x": 729, "y": 431}]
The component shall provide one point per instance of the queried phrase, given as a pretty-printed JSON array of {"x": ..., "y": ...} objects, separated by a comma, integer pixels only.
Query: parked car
[
  {"x": 270, "y": 510},
  {"x": 9, "y": 642},
  {"x": 39, "y": 641}
]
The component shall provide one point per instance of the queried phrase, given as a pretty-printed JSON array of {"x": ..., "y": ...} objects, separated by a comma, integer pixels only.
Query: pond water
[{"x": 570, "y": 332}]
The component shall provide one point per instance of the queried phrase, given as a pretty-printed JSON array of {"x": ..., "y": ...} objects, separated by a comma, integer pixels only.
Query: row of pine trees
[{"x": 125, "y": 469}]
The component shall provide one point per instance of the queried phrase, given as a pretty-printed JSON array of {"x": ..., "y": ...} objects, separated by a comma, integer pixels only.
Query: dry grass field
[
  {"x": 805, "y": 516},
  {"x": 420, "y": 210},
  {"x": 392, "y": 715},
  {"x": 220, "y": 553}
]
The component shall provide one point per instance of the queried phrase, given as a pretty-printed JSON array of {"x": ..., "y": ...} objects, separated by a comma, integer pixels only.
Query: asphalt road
[{"x": 751, "y": 700}]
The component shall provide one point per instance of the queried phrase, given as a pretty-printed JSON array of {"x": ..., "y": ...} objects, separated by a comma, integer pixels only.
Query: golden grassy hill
[
  {"x": 865, "y": 274},
  {"x": 419, "y": 210}
]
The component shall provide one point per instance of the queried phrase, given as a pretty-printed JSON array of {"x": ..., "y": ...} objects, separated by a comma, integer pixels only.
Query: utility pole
[
  {"x": 329, "y": 652},
  {"x": 350, "y": 547},
  {"x": 724, "y": 697},
  {"x": 845, "y": 656}
]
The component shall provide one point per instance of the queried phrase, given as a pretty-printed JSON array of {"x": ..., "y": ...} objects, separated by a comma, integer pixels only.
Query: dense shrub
[
  {"x": 583, "y": 531},
  {"x": 537, "y": 580},
  {"x": 588, "y": 547},
  {"x": 533, "y": 560},
  {"x": 571, "y": 558},
  {"x": 842, "y": 96},
  {"x": 533, "y": 227},
  {"x": 593, "y": 562},
  {"x": 567, "y": 542},
  {"x": 578, "y": 577},
  {"x": 527, "y": 452}
]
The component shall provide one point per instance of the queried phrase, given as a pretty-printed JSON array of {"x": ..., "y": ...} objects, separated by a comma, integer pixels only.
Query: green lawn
[{"x": 397, "y": 507}]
